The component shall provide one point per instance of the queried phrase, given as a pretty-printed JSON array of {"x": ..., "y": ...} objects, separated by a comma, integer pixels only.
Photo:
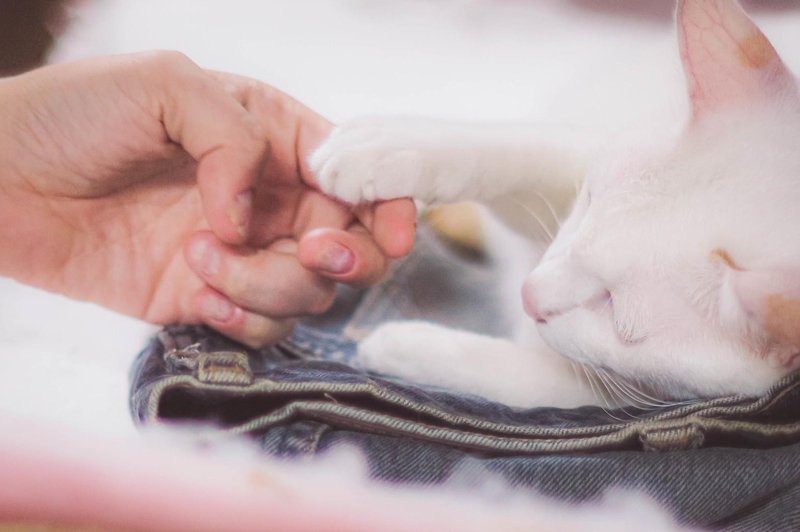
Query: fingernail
[
  {"x": 335, "y": 258},
  {"x": 217, "y": 308},
  {"x": 240, "y": 212},
  {"x": 205, "y": 258}
]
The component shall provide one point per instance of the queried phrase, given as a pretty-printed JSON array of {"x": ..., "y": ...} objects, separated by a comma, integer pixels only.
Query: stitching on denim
[
  {"x": 699, "y": 413},
  {"x": 359, "y": 419},
  {"x": 596, "y": 438},
  {"x": 224, "y": 367},
  {"x": 723, "y": 406},
  {"x": 314, "y": 439}
]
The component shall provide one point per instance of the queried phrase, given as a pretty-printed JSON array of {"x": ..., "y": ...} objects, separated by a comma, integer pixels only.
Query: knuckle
[
  {"x": 171, "y": 59},
  {"x": 170, "y": 69}
]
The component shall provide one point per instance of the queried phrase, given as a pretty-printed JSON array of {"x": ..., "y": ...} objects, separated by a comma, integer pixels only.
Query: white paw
[
  {"x": 470, "y": 363},
  {"x": 378, "y": 159},
  {"x": 414, "y": 350},
  {"x": 426, "y": 353}
]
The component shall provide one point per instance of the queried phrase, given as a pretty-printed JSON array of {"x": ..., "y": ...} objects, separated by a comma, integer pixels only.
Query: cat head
[{"x": 680, "y": 267}]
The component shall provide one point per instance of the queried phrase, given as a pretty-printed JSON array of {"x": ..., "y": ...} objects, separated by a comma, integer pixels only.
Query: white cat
[{"x": 677, "y": 273}]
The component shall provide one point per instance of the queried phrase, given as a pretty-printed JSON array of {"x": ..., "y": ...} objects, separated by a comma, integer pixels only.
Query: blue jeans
[{"x": 731, "y": 462}]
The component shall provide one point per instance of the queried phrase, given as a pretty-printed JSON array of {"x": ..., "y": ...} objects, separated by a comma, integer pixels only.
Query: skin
[{"x": 170, "y": 193}]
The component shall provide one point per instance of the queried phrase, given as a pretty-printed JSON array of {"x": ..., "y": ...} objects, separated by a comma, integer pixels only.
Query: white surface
[
  {"x": 65, "y": 362},
  {"x": 495, "y": 60}
]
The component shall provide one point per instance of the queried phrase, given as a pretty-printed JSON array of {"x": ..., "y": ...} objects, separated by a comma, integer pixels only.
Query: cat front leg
[
  {"x": 465, "y": 362},
  {"x": 435, "y": 161}
]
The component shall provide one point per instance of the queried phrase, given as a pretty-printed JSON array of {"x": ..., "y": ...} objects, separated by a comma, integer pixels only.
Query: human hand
[{"x": 166, "y": 192}]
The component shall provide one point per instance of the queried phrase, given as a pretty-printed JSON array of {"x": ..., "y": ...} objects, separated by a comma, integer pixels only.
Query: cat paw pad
[{"x": 370, "y": 160}]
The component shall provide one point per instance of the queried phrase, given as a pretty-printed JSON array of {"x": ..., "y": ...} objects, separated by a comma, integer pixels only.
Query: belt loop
[
  {"x": 672, "y": 438},
  {"x": 224, "y": 367}
]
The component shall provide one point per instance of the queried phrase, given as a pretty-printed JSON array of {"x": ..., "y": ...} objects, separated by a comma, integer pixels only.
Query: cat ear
[
  {"x": 726, "y": 58},
  {"x": 768, "y": 301}
]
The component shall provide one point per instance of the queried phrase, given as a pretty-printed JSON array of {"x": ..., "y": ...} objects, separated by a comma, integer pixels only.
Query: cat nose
[
  {"x": 532, "y": 305},
  {"x": 558, "y": 286},
  {"x": 529, "y": 303}
]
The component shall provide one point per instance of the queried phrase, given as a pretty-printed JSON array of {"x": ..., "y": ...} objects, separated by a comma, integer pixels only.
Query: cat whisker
[
  {"x": 574, "y": 366},
  {"x": 609, "y": 393},
  {"x": 598, "y": 392},
  {"x": 536, "y": 217},
  {"x": 582, "y": 380},
  {"x": 636, "y": 399},
  {"x": 623, "y": 395},
  {"x": 660, "y": 403},
  {"x": 623, "y": 389},
  {"x": 575, "y": 371},
  {"x": 615, "y": 392},
  {"x": 640, "y": 398},
  {"x": 591, "y": 384},
  {"x": 549, "y": 207}
]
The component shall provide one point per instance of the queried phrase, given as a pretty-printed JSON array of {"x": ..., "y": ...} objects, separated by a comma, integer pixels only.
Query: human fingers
[
  {"x": 294, "y": 130},
  {"x": 392, "y": 224},
  {"x": 229, "y": 144},
  {"x": 331, "y": 245},
  {"x": 270, "y": 282},
  {"x": 249, "y": 328},
  {"x": 350, "y": 257}
]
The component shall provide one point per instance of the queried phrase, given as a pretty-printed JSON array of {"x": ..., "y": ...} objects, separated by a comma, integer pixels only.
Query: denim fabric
[{"x": 731, "y": 463}]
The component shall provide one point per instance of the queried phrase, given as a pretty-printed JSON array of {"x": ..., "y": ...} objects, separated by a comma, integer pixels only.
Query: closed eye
[
  {"x": 628, "y": 322},
  {"x": 626, "y": 333}
]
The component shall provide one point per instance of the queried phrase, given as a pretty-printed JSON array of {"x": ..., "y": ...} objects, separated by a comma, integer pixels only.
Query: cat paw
[
  {"x": 379, "y": 159},
  {"x": 367, "y": 160},
  {"x": 473, "y": 364},
  {"x": 407, "y": 349}
]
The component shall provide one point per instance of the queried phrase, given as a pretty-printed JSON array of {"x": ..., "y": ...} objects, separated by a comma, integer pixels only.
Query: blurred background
[
  {"x": 605, "y": 64},
  {"x": 27, "y": 31}
]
